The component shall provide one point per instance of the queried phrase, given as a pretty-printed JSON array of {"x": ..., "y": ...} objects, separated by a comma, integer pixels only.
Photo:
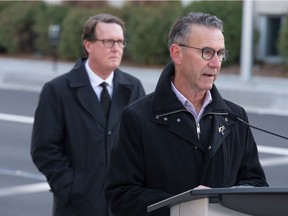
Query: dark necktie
[{"x": 105, "y": 98}]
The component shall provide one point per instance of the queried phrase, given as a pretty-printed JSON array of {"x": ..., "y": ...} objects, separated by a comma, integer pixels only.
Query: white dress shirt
[{"x": 95, "y": 81}]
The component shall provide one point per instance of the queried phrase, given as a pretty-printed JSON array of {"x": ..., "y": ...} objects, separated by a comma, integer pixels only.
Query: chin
[
  {"x": 208, "y": 86},
  {"x": 114, "y": 64}
]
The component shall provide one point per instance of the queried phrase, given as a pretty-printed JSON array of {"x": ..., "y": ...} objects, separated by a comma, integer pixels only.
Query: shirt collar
[
  {"x": 95, "y": 80},
  {"x": 187, "y": 104}
]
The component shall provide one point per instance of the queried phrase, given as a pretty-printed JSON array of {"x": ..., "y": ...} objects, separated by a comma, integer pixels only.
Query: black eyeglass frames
[
  {"x": 208, "y": 53},
  {"x": 109, "y": 43}
]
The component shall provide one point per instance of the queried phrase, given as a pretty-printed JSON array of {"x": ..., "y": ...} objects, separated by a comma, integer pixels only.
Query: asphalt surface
[
  {"x": 24, "y": 191},
  {"x": 263, "y": 95}
]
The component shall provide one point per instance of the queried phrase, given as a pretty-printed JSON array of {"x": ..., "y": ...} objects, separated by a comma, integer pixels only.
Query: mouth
[
  {"x": 209, "y": 75},
  {"x": 114, "y": 58}
]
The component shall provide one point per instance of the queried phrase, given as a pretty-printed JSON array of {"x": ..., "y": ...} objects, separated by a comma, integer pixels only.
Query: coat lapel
[
  {"x": 78, "y": 79},
  {"x": 221, "y": 129},
  {"x": 88, "y": 99},
  {"x": 120, "y": 99}
]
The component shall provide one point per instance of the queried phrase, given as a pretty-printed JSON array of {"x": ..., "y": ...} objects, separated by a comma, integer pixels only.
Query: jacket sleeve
[
  {"x": 47, "y": 149},
  {"x": 125, "y": 189},
  {"x": 251, "y": 172}
]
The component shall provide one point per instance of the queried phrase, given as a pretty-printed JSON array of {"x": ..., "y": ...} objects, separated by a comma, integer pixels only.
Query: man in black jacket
[
  {"x": 72, "y": 134},
  {"x": 181, "y": 137}
]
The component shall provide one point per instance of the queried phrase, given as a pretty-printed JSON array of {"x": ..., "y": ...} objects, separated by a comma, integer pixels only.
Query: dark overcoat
[
  {"x": 161, "y": 151},
  {"x": 71, "y": 138}
]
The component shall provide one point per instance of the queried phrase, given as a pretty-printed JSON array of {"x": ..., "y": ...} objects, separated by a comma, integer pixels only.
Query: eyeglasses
[
  {"x": 208, "y": 53},
  {"x": 109, "y": 43}
]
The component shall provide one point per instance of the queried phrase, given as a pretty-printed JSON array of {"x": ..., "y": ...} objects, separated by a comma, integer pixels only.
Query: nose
[
  {"x": 214, "y": 62},
  {"x": 116, "y": 46}
]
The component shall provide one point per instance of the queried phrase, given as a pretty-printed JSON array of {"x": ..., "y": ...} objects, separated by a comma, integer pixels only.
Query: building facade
[{"x": 269, "y": 17}]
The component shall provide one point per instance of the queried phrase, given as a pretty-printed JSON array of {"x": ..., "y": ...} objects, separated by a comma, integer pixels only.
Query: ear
[
  {"x": 176, "y": 53},
  {"x": 87, "y": 45}
]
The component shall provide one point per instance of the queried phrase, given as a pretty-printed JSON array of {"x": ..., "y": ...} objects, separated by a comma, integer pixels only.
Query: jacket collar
[
  {"x": 165, "y": 101},
  {"x": 79, "y": 77},
  {"x": 79, "y": 80}
]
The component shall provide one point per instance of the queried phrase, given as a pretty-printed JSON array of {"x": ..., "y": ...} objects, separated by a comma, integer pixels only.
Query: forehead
[
  {"x": 206, "y": 37},
  {"x": 109, "y": 30}
]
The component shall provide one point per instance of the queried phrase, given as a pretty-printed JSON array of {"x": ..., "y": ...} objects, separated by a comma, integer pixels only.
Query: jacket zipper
[
  {"x": 198, "y": 124},
  {"x": 198, "y": 130}
]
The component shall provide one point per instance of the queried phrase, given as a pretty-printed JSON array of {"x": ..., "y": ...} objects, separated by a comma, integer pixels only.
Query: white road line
[
  {"x": 43, "y": 186},
  {"x": 20, "y": 173},
  {"x": 16, "y": 118},
  {"x": 273, "y": 150},
  {"x": 275, "y": 161},
  {"x": 24, "y": 189}
]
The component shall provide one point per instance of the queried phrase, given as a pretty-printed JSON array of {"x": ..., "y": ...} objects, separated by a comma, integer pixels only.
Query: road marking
[
  {"x": 273, "y": 150},
  {"x": 16, "y": 118},
  {"x": 24, "y": 189},
  {"x": 20, "y": 173},
  {"x": 43, "y": 186},
  {"x": 275, "y": 161}
]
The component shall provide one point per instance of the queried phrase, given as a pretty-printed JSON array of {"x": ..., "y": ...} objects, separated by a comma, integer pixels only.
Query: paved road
[
  {"x": 23, "y": 190},
  {"x": 260, "y": 94}
]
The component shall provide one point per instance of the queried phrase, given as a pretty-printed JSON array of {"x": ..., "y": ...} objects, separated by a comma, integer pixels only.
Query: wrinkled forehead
[{"x": 206, "y": 37}]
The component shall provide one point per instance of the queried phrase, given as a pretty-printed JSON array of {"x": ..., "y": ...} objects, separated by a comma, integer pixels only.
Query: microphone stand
[{"x": 261, "y": 129}]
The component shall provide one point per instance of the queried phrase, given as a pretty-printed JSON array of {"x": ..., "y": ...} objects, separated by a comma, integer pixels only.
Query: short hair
[
  {"x": 181, "y": 28},
  {"x": 90, "y": 25}
]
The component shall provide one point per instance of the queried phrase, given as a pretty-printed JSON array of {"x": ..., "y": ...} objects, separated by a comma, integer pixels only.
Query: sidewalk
[{"x": 264, "y": 95}]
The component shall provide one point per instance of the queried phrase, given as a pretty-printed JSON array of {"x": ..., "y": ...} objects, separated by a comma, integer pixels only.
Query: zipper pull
[{"x": 198, "y": 130}]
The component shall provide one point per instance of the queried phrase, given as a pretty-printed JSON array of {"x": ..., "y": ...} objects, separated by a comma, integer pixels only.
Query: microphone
[{"x": 236, "y": 117}]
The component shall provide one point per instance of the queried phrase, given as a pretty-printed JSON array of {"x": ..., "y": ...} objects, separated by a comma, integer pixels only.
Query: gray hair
[{"x": 182, "y": 27}]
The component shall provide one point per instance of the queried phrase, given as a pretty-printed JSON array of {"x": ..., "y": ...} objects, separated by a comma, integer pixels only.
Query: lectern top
[{"x": 217, "y": 194}]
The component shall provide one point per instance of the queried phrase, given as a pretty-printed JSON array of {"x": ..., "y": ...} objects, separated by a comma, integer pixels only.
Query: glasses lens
[
  {"x": 227, "y": 52},
  {"x": 222, "y": 55},
  {"x": 108, "y": 43},
  {"x": 208, "y": 53},
  {"x": 122, "y": 43}
]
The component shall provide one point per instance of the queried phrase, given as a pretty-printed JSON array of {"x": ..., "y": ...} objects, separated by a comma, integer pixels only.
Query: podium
[{"x": 238, "y": 201}]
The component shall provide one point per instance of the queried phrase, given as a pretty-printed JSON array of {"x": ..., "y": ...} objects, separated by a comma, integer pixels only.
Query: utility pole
[
  {"x": 54, "y": 36},
  {"x": 246, "y": 60}
]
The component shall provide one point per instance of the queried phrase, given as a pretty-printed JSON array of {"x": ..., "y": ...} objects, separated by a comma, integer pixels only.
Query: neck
[{"x": 102, "y": 72}]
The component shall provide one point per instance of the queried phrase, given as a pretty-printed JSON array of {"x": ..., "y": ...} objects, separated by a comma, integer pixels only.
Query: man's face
[
  {"x": 197, "y": 73},
  {"x": 104, "y": 59}
]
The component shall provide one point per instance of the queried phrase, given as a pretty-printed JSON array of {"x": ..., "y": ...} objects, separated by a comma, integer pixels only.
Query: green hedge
[
  {"x": 230, "y": 12},
  {"x": 49, "y": 15},
  {"x": 17, "y": 20},
  {"x": 147, "y": 27}
]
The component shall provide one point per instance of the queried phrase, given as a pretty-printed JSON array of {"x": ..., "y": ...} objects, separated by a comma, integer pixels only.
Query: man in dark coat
[
  {"x": 72, "y": 136},
  {"x": 181, "y": 136}
]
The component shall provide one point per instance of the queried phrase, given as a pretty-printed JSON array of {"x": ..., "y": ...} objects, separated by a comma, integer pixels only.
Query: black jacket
[
  {"x": 158, "y": 152},
  {"x": 72, "y": 139}
]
